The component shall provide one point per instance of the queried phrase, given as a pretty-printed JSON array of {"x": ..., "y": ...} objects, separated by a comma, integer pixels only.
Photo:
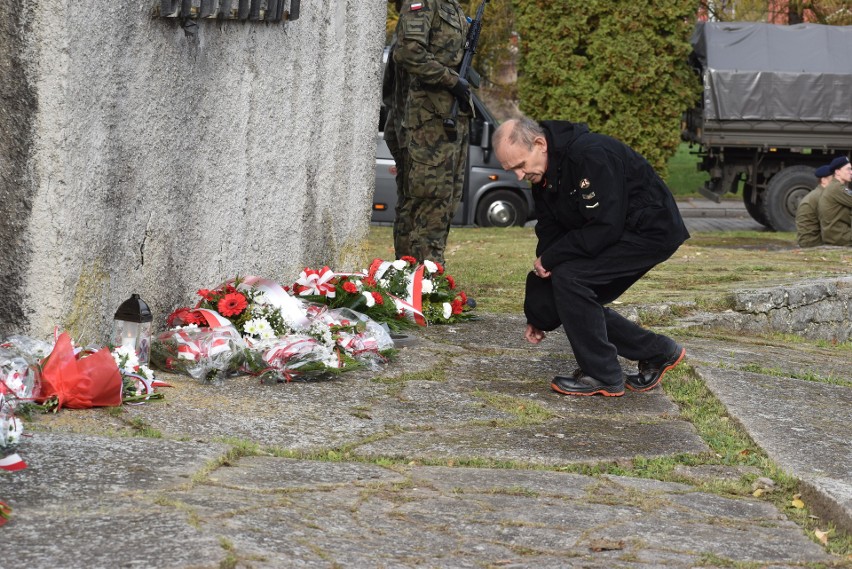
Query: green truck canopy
[{"x": 765, "y": 72}]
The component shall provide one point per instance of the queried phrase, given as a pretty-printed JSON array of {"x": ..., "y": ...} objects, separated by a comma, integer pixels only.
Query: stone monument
[{"x": 161, "y": 146}]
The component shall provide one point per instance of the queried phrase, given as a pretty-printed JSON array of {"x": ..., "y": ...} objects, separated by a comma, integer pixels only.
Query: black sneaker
[
  {"x": 582, "y": 384},
  {"x": 651, "y": 372}
]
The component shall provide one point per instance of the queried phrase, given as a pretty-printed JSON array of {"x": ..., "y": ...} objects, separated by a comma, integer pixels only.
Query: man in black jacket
[{"x": 605, "y": 218}]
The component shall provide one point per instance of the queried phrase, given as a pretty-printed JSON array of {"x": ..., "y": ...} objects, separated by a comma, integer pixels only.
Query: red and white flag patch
[
  {"x": 12, "y": 463},
  {"x": 416, "y": 6}
]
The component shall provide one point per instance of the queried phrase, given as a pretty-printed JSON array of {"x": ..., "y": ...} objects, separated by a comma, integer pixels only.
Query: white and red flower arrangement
[
  {"x": 323, "y": 322},
  {"x": 254, "y": 325},
  {"x": 399, "y": 293}
]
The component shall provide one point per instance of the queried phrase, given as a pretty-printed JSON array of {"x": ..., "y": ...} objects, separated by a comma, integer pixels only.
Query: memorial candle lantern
[{"x": 132, "y": 327}]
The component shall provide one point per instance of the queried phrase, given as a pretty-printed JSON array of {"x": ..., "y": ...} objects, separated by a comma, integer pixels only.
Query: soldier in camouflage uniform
[
  {"x": 430, "y": 45},
  {"x": 394, "y": 94},
  {"x": 807, "y": 214},
  {"x": 835, "y": 205}
]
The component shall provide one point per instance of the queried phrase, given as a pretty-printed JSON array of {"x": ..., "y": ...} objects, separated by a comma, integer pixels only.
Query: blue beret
[
  {"x": 838, "y": 162},
  {"x": 823, "y": 171}
]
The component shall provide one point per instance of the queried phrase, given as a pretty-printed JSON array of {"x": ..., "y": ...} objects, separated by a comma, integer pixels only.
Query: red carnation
[
  {"x": 409, "y": 259},
  {"x": 370, "y": 281},
  {"x": 177, "y": 316},
  {"x": 374, "y": 266},
  {"x": 192, "y": 317},
  {"x": 451, "y": 282},
  {"x": 350, "y": 287},
  {"x": 457, "y": 306},
  {"x": 232, "y": 304},
  {"x": 205, "y": 293},
  {"x": 378, "y": 298},
  {"x": 463, "y": 297},
  {"x": 440, "y": 268}
]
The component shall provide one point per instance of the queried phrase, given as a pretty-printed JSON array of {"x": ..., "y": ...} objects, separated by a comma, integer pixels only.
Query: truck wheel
[
  {"x": 781, "y": 199},
  {"x": 501, "y": 208},
  {"x": 755, "y": 210}
]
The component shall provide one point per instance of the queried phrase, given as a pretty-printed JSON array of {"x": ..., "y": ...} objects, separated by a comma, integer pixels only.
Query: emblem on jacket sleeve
[
  {"x": 416, "y": 6},
  {"x": 585, "y": 183},
  {"x": 589, "y": 196}
]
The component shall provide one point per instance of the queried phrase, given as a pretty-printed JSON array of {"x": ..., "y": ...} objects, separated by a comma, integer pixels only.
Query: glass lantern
[{"x": 132, "y": 327}]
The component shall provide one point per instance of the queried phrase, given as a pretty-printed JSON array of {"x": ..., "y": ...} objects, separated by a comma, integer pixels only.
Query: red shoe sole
[
  {"x": 662, "y": 373},
  {"x": 598, "y": 392}
]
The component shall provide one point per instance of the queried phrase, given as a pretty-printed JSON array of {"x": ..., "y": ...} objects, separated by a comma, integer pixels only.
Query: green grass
[{"x": 684, "y": 179}]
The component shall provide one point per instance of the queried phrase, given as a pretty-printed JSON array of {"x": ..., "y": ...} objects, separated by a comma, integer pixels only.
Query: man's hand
[
  {"x": 539, "y": 270},
  {"x": 534, "y": 335},
  {"x": 461, "y": 91}
]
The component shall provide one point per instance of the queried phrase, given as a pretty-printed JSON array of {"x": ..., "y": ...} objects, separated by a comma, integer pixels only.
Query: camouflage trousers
[
  {"x": 402, "y": 215},
  {"x": 432, "y": 185}
]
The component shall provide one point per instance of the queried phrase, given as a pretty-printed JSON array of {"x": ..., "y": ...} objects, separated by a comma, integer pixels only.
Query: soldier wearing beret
[
  {"x": 835, "y": 205},
  {"x": 430, "y": 45},
  {"x": 807, "y": 215},
  {"x": 605, "y": 218}
]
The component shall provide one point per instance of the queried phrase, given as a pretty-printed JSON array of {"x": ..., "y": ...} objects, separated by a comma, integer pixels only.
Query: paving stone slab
[
  {"x": 90, "y": 502},
  {"x": 571, "y": 440},
  {"x": 60, "y": 466},
  {"x": 466, "y": 517},
  {"x": 803, "y": 425},
  {"x": 801, "y": 361}
]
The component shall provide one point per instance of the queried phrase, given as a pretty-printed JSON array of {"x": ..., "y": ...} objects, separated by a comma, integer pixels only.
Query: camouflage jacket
[{"x": 430, "y": 45}]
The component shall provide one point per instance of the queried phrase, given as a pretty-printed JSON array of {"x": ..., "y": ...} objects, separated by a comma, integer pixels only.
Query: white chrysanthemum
[
  {"x": 268, "y": 334},
  {"x": 448, "y": 310},
  {"x": 189, "y": 327},
  {"x": 427, "y": 286},
  {"x": 261, "y": 299},
  {"x": 430, "y": 266},
  {"x": 126, "y": 359},
  {"x": 368, "y": 296},
  {"x": 257, "y": 327},
  {"x": 145, "y": 372},
  {"x": 399, "y": 264}
]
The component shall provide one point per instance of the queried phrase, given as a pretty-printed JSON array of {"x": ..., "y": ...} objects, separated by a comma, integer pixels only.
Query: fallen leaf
[
  {"x": 822, "y": 536},
  {"x": 757, "y": 493},
  {"x": 797, "y": 503},
  {"x": 606, "y": 545}
]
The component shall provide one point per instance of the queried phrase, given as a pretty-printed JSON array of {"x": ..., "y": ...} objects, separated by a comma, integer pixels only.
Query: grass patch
[
  {"x": 526, "y": 412},
  {"x": 684, "y": 178},
  {"x": 805, "y": 376}
]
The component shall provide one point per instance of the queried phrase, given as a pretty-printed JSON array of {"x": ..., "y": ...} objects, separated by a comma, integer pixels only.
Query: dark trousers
[{"x": 574, "y": 297}]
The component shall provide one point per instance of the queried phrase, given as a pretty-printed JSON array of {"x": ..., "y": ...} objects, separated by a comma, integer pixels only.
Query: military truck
[{"x": 777, "y": 103}]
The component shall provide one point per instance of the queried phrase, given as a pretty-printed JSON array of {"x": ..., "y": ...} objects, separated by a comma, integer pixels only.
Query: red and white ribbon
[
  {"x": 289, "y": 307},
  {"x": 12, "y": 463},
  {"x": 316, "y": 283},
  {"x": 214, "y": 319}
]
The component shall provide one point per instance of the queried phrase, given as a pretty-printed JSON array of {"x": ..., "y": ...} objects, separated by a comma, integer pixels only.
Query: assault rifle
[{"x": 465, "y": 68}]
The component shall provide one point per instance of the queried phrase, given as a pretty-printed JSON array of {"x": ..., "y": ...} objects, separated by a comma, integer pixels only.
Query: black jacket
[{"x": 596, "y": 192}]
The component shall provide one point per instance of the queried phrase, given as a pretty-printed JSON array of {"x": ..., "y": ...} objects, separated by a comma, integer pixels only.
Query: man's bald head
[{"x": 521, "y": 147}]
